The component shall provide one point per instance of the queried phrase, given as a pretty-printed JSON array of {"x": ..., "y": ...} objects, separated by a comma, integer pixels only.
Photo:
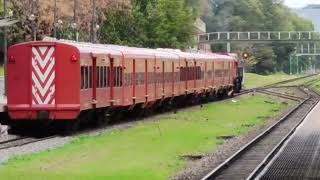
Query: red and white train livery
[{"x": 60, "y": 80}]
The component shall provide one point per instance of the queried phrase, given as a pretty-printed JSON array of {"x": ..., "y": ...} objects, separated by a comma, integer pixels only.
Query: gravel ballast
[{"x": 45, "y": 145}]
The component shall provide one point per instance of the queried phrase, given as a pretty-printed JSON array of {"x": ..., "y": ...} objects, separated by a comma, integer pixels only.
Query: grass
[
  {"x": 255, "y": 80},
  {"x": 149, "y": 150},
  {"x": 316, "y": 86},
  {"x": 1, "y": 71}
]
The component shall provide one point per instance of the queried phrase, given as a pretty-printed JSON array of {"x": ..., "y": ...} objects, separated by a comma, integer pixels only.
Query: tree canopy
[
  {"x": 1, "y": 7},
  {"x": 152, "y": 23}
]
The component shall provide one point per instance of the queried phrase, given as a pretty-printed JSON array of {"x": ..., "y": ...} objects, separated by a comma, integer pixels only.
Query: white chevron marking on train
[
  {"x": 43, "y": 90},
  {"x": 43, "y": 76},
  {"x": 43, "y": 62}
]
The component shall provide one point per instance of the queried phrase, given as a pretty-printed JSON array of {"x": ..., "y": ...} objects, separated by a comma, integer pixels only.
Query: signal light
[
  {"x": 245, "y": 55},
  {"x": 74, "y": 58},
  {"x": 11, "y": 59}
]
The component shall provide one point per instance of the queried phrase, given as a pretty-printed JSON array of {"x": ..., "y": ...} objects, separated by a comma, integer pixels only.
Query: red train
[{"x": 62, "y": 81}]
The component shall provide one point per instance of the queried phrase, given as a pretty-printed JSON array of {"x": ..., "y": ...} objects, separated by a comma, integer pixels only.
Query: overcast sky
[{"x": 300, "y": 3}]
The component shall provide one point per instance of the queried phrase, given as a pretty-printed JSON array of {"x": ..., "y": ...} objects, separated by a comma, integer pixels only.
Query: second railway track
[{"x": 247, "y": 160}]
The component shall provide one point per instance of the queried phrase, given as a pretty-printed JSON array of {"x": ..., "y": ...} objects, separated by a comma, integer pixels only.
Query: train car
[{"x": 67, "y": 81}]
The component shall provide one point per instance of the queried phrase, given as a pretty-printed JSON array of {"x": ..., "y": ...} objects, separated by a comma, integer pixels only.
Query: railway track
[
  {"x": 282, "y": 95},
  {"x": 250, "y": 159},
  {"x": 276, "y": 85},
  {"x": 288, "y": 81},
  {"x": 21, "y": 141}
]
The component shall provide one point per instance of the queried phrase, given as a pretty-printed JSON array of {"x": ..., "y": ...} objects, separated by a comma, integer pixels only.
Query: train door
[
  {"x": 158, "y": 78},
  {"x": 128, "y": 73},
  {"x": 218, "y": 73},
  {"x": 140, "y": 80},
  {"x": 100, "y": 80},
  {"x": 176, "y": 77},
  {"x": 200, "y": 78},
  {"x": 149, "y": 86},
  {"x": 213, "y": 83},
  {"x": 167, "y": 64},
  {"x": 117, "y": 72},
  {"x": 190, "y": 75}
]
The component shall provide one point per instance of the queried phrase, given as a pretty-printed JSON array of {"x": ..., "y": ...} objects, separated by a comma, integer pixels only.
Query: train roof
[
  {"x": 134, "y": 52},
  {"x": 204, "y": 56}
]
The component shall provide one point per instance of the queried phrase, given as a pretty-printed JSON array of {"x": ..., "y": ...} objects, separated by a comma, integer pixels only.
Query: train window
[
  {"x": 209, "y": 74},
  {"x": 200, "y": 74},
  {"x": 117, "y": 76},
  {"x": 82, "y": 82},
  {"x": 97, "y": 76},
  {"x": 90, "y": 77},
  {"x": 218, "y": 73},
  {"x": 101, "y": 77},
  {"x": 104, "y": 79},
  {"x": 176, "y": 76},
  {"x": 109, "y": 76},
  {"x": 181, "y": 74},
  {"x": 86, "y": 77}
]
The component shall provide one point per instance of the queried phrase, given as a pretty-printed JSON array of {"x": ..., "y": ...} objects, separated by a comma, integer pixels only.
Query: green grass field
[
  {"x": 255, "y": 80},
  {"x": 149, "y": 150}
]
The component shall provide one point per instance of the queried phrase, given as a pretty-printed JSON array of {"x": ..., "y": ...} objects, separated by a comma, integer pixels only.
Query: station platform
[
  {"x": 299, "y": 158},
  {"x": 3, "y": 103},
  {"x": 3, "y": 99}
]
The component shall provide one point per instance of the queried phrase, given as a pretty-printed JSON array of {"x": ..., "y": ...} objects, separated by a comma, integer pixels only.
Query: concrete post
[
  {"x": 229, "y": 47},
  {"x": 290, "y": 66},
  {"x": 5, "y": 44}
]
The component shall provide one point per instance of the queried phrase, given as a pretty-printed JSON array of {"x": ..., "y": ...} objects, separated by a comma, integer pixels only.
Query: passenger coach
[{"x": 62, "y": 81}]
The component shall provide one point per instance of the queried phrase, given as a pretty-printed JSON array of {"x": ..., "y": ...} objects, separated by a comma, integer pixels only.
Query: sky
[{"x": 300, "y": 3}]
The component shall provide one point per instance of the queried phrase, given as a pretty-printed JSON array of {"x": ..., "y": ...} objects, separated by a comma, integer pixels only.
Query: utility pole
[
  {"x": 93, "y": 22},
  {"x": 32, "y": 18},
  {"x": 55, "y": 19},
  {"x": 290, "y": 61},
  {"x": 75, "y": 20},
  {"x": 297, "y": 64},
  {"x": 5, "y": 44}
]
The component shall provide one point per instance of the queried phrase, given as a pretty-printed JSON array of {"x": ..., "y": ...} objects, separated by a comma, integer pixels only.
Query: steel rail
[
  {"x": 218, "y": 170},
  {"x": 276, "y": 149},
  {"x": 287, "y": 96}
]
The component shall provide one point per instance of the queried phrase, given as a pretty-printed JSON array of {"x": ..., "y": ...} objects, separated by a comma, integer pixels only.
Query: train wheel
[
  {"x": 103, "y": 118},
  {"x": 71, "y": 127},
  {"x": 220, "y": 95}
]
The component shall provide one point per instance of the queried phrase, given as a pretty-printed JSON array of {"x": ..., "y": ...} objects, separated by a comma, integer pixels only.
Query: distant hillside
[
  {"x": 312, "y": 13},
  {"x": 312, "y": 6}
]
